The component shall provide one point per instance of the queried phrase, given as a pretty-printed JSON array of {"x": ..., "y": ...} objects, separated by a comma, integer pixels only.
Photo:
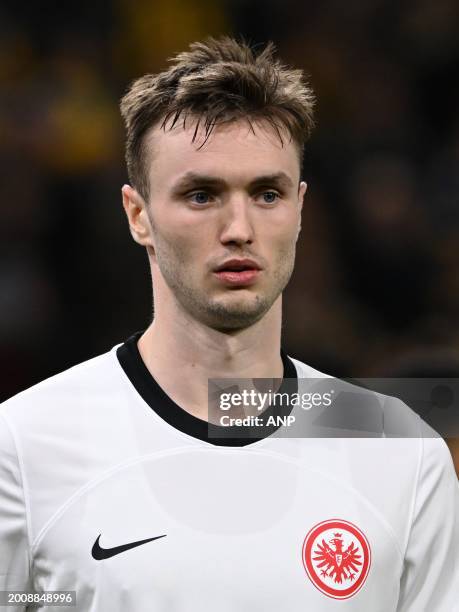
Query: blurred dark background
[{"x": 377, "y": 276}]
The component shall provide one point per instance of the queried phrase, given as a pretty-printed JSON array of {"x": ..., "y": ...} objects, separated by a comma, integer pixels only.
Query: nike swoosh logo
[{"x": 100, "y": 553}]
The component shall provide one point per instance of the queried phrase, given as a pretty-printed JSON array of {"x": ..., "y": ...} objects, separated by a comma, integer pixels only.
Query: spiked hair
[{"x": 218, "y": 80}]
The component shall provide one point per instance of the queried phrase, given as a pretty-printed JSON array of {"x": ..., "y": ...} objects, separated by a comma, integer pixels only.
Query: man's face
[{"x": 236, "y": 198}]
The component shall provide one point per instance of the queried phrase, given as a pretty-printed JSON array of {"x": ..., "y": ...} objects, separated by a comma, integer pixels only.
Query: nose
[{"x": 237, "y": 227}]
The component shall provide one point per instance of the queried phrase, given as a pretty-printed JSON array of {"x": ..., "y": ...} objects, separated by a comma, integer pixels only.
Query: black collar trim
[{"x": 135, "y": 369}]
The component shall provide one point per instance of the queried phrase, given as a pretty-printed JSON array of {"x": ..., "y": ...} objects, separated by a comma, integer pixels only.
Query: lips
[
  {"x": 238, "y": 272},
  {"x": 238, "y": 265}
]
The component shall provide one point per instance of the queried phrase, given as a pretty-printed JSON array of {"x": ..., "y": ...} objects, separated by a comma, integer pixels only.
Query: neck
[{"x": 182, "y": 354}]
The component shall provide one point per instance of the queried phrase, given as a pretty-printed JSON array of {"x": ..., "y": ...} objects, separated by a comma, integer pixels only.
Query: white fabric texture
[{"x": 83, "y": 455}]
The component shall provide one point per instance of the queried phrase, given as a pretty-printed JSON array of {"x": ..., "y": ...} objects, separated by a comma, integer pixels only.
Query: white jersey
[{"x": 111, "y": 490}]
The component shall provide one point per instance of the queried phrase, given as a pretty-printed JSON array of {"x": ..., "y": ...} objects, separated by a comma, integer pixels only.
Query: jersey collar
[{"x": 135, "y": 369}]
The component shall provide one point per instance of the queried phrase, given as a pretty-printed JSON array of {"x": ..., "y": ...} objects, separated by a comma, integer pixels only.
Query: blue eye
[
  {"x": 200, "y": 197},
  {"x": 270, "y": 197}
]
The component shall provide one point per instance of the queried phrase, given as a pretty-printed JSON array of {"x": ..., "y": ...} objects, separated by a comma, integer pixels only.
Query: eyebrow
[{"x": 192, "y": 180}]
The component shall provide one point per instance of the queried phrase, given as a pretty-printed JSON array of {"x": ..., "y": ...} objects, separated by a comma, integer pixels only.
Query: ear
[
  {"x": 301, "y": 193},
  {"x": 135, "y": 208}
]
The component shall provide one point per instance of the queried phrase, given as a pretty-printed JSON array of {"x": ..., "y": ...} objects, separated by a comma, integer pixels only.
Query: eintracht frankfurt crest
[{"x": 336, "y": 557}]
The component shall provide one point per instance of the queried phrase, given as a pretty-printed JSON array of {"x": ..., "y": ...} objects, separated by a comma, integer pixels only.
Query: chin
[{"x": 224, "y": 316}]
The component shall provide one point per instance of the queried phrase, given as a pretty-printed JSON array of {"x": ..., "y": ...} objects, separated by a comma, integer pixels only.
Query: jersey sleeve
[
  {"x": 14, "y": 548},
  {"x": 430, "y": 579}
]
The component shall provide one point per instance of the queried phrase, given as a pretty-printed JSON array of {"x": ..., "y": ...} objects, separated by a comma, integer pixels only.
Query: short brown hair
[{"x": 215, "y": 80}]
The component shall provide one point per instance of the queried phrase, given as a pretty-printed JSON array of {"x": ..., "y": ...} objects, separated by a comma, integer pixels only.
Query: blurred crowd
[{"x": 377, "y": 275}]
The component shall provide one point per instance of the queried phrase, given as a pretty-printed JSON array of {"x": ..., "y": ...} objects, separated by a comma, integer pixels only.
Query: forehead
[{"x": 234, "y": 151}]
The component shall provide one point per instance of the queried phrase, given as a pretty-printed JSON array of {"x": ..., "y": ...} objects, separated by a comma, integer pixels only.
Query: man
[{"x": 110, "y": 482}]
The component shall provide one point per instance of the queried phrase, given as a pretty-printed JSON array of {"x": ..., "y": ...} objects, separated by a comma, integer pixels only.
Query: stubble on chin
[{"x": 230, "y": 317}]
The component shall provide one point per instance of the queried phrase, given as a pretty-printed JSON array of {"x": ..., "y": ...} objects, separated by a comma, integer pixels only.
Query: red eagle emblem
[{"x": 336, "y": 556}]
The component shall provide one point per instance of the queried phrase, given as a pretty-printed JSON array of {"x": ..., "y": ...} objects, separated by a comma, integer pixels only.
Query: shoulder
[
  {"x": 382, "y": 427},
  {"x": 63, "y": 433},
  {"x": 69, "y": 389},
  {"x": 357, "y": 407}
]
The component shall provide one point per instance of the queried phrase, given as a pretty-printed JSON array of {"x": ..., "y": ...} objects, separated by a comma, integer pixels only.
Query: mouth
[{"x": 238, "y": 272}]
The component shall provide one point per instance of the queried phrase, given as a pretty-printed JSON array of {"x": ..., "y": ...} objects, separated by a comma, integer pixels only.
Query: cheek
[
  {"x": 182, "y": 234},
  {"x": 184, "y": 245},
  {"x": 282, "y": 230}
]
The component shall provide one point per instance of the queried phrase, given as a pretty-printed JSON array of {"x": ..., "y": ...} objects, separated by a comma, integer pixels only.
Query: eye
[
  {"x": 270, "y": 197},
  {"x": 200, "y": 197}
]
